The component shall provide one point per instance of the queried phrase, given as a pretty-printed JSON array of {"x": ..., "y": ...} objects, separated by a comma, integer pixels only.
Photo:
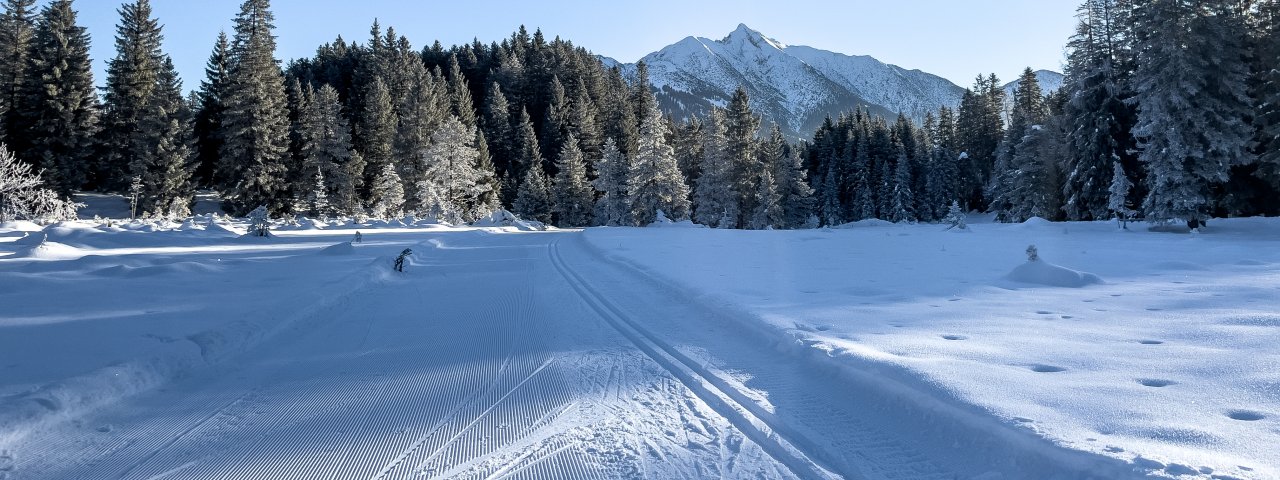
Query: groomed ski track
[{"x": 530, "y": 355}]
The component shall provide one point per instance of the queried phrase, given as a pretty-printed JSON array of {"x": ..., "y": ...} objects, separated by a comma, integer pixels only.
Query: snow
[
  {"x": 179, "y": 350},
  {"x": 1170, "y": 365}
]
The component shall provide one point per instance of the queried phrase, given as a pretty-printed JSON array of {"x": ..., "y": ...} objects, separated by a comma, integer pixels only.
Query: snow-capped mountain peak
[{"x": 795, "y": 87}]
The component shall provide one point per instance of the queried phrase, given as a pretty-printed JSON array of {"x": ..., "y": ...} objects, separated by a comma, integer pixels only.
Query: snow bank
[
  {"x": 38, "y": 247},
  {"x": 503, "y": 218},
  {"x": 870, "y": 222},
  {"x": 662, "y": 221},
  {"x": 1040, "y": 272},
  {"x": 344, "y": 248}
]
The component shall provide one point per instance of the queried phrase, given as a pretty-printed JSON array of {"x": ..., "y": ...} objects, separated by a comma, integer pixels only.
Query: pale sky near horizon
[{"x": 953, "y": 39}]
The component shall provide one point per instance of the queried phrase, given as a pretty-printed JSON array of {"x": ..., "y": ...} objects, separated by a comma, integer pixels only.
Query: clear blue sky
[{"x": 953, "y": 39}]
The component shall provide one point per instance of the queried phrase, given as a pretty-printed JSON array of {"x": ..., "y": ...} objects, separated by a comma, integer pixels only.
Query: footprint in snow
[
  {"x": 1151, "y": 342},
  {"x": 1156, "y": 382},
  {"x": 955, "y": 337},
  {"x": 1047, "y": 368},
  {"x": 1245, "y": 415}
]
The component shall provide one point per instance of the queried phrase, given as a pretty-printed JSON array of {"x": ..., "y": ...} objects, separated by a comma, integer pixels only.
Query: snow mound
[
  {"x": 503, "y": 218},
  {"x": 127, "y": 271},
  {"x": 663, "y": 222},
  {"x": 1040, "y": 272},
  {"x": 338, "y": 249},
  {"x": 21, "y": 226},
  {"x": 1036, "y": 222},
  {"x": 38, "y": 247}
]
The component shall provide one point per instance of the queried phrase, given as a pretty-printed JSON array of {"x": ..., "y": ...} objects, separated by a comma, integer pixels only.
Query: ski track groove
[{"x": 762, "y": 431}]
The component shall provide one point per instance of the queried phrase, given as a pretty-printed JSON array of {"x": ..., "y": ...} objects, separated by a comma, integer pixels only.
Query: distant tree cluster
[{"x": 1169, "y": 111}]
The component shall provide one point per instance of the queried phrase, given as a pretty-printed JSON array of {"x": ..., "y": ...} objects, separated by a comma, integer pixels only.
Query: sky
[{"x": 954, "y": 39}]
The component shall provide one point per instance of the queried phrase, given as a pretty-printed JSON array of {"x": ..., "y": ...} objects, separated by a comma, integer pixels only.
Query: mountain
[
  {"x": 1050, "y": 82},
  {"x": 794, "y": 86}
]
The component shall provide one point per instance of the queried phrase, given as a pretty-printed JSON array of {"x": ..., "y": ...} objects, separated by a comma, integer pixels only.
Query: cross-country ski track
[{"x": 533, "y": 355}]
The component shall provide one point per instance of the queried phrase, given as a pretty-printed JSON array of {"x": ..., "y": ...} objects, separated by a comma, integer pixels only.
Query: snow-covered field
[{"x": 146, "y": 351}]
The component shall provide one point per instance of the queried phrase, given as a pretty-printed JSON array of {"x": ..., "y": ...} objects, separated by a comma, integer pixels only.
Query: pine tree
[
  {"x": 62, "y": 122},
  {"x": 489, "y": 198},
  {"x": 1009, "y": 181},
  {"x": 613, "y": 205},
  {"x": 497, "y": 130},
  {"x": 829, "y": 197},
  {"x": 326, "y": 148},
  {"x": 533, "y": 201},
  {"x": 132, "y": 78},
  {"x": 450, "y": 174},
  {"x": 1118, "y": 200},
  {"x": 1098, "y": 116},
  {"x": 165, "y": 159},
  {"x": 768, "y": 204},
  {"x": 420, "y": 114},
  {"x": 386, "y": 194},
  {"x": 903, "y": 209},
  {"x": 318, "y": 197},
  {"x": 376, "y": 128},
  {"x": 17, "y": 34},
  {"x": 460, "y": 103},
  {"x": 654, "y": 182},
  {"x": 796, "y": 196},
  {"x": 715, "y": 198},
  {"x": 980, "y": 129},
  {"x": 255, "y": 124},
  {"x": 572, "y": 195},
  {"x": 1267, "y": 120},
  {"x": 209, "y": 112},
  {"x": 1193, "y": 105},
  {"x": 741, "y": 126},
  {"x": 863, "y": 205}
]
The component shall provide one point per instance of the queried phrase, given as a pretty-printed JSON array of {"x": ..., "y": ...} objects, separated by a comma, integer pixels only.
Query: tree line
[{"x": 1167, "y": 112}]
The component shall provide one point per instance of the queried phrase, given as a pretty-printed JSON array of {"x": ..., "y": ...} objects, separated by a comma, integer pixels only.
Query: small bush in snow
[
  {"x": 1033, "y": 254},
  {"x": 259, "y": 222}
]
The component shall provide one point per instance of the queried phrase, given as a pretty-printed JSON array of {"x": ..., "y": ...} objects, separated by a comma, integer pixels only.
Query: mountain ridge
[{"x": 795, "y": 87}]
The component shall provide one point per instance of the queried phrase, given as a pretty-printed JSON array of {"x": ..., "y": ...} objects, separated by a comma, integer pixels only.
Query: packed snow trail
[{"x": 526, "y": 355}]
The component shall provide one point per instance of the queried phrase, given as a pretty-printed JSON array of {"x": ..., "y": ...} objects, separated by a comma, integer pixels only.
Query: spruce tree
[
  {"x": 255, "y": 124},
  {"x": 903, "y": 204},
  {"x": 1193, "y": 105},
  {"x": 132, "y": 78},
  {"x": 741, "y": 127},
  {"x": 497, "y": 129},
  {"x": 460, "y": 103},
  {"x": 386, "y": 193},
  {"x": 165, "y": 160},
  {"x": 613, "y": 205},
  {"x": 450, "y": 174},
  {"x": 209, "y": 111},
  {"x": 489, "y": 198},
  {"x": 420, "y": 114},
  {"x": 1010, "y": 181},
  {"x": 654, "y": 182},
  {"x": 795, "y": 194},
  {"x": 533, "y": 201},
  {"x": 1267, "y": 120},
  {"x": 17, "y": 34},
  {"x": 62, "y": 122},
  {"x": 715, "y": 199},
  {"x": 572, "y": 195},
  {"x": 326, "y": 148},
  {"x": 376, "y": 128},
  {"x": 768, "y": 204},
  {"x": 1118, "y": 198}
]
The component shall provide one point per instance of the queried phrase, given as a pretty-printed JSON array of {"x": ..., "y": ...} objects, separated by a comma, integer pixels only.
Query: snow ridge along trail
[{"x": 759, "y": 426}]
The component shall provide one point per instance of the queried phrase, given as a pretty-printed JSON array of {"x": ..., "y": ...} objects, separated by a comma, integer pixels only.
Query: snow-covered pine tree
[
  {"x": 943, "y": 172},
  {"x": 420, "y": 113},
  {"x": 1009, "y": 183},
  {"x": 259, "y": 222},
  {"x": 572, "y": 194},
  {"x": 63, "y": 120},
  {"x": 654, "y": 182},
  {"x": 796, "y": 196},
  {"x": 533, "y": 200},
  {"x": 386, "y": 193},
  {"x": 1098, "y": 117},
  {"x": 1267, "y": 120},
  {"x": 165, "y": 160},
  {"x": 980, "y": 128},
  {"x": 460, "y": 103},
  {"x": 829, "y": 197},
  {"x": 255, "y": 123},
  {"x": 768, "y": 211},
  {"x": 1118, "y": 201},
  {"x": 17, "y": 184},
  {"x": 863, "y": 199},
  {"x": 613, "y": 206},
  {"x": 955, "y": 217},
  {"x": 449, "y": 166},
  {"x": 715, "y": 200},
  {"x": 488, "y": 188},
  {"x": 326, "y": 147},
  {"x": 496, "y": 122},
  {"x": 903, "y": 200},
  {"x": 1192, "y": 105},
  {"x": 318, "y": 196}
]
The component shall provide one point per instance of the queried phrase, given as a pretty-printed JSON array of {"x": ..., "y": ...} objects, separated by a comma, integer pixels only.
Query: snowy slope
[
  {"x": 1050, "y": 82},
  {"x": 794, "y": 86}
]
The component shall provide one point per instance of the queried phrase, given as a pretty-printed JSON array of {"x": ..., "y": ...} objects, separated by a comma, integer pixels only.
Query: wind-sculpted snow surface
[{"x": 1170, "y": 365}]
